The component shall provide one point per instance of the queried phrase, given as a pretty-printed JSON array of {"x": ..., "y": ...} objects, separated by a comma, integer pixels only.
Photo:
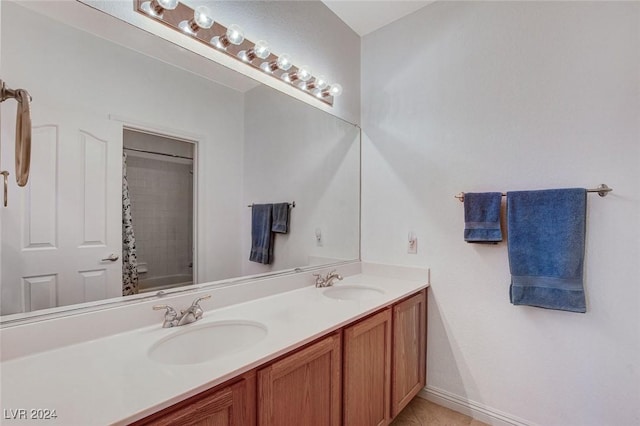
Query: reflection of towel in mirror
[
  {"x": 482, "y": 217},
  {"x": 546, "y": 234},
  {"x": 23, "y": 137},
  {"x": 280, "y": 218},
  {"x": 261, "y": 218}
]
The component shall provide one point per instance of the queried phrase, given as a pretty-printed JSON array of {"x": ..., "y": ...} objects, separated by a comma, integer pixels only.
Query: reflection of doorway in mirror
[{"x": 159, "y": 174}]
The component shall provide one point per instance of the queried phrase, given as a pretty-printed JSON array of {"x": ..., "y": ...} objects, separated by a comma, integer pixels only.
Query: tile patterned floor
[{"x": 421, "y": 412}]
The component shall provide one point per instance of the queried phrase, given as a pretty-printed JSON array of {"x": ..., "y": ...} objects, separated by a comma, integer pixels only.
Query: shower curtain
[{"x": 129, "y": 258}]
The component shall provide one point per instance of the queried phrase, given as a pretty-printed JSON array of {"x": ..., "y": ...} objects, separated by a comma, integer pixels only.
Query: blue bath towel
[
  {"x": 546, "y": 234},
  {"x": 280, "y": 218},
  {"x": 261, "y": 217},
  {"x": 482, "y": 217}
]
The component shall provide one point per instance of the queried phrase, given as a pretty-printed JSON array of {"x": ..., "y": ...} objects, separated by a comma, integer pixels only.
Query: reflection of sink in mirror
[
  {"x": 353, "y": 292},
  {"x": 205, "y": 342}
]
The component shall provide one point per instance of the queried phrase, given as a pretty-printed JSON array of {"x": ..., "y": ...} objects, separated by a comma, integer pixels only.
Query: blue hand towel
[
  {"x": 482, "y": 217},
  {"x": 546, "y": 234},
  {"x": 261, "y": 218},
  {"x": 280, "y": 218}
]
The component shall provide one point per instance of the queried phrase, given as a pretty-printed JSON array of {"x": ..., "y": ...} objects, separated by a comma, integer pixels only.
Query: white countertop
[{"x": 111, "y": 380}]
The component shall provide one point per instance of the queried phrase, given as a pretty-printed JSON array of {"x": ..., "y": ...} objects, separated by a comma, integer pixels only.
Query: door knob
[{"x": 111, "y": 258}]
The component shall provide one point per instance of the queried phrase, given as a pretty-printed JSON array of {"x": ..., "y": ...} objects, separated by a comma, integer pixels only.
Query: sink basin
[
  {"x": 196, "y": 343},
  {"x": 353, "y": 292}
]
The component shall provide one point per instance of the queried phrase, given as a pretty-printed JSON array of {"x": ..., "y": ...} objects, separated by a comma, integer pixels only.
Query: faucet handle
[
  {"x": 334, "y": 274},
  {"x": 170, "y": 316},
  {"x": 195, "y": 309},
  {"x": 170, "y": 311},
  {"x": 167, "y": 307},
  {"x": 319, "y": 280},
  {"x": 199, "y": 299}
]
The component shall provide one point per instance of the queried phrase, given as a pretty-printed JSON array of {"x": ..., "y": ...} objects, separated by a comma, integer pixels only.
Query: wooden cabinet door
[
  {"x": 232, "y": 405},
  {"x": 408, "y": 373},
  {"x": 303, "y": 389},
  {"x": 367, "y": 371}
]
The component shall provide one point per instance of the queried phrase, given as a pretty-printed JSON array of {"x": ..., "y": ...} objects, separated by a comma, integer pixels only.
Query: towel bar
[
  {"x": 23, "y": 131},
  {"x": 602, "y": 191},
  {"x": 291, "y": 204}
]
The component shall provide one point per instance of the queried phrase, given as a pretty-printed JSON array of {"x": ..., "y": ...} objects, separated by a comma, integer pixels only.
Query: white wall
[
  {"x": 309, "y": 157},
  {"x": 483, "y": 96},
  {"x": 70, "y": 69}
]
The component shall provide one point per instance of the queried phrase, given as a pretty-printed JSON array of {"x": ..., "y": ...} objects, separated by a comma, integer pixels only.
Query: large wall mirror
[{"x": 123, "y": 140}]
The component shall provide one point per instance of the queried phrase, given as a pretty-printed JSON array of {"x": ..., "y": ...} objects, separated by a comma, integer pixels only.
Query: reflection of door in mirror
[
  {"x": 61, "y": 241},
  {"x": 159, "y": 177}
]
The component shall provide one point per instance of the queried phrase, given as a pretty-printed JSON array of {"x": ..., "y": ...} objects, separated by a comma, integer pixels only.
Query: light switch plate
[{"x": 413, "y": 246}]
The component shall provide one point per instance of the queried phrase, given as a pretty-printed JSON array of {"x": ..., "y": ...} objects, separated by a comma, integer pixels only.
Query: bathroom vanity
[
  {"x": 362, "y": 374},
  {"x": 270, "y": 352}
]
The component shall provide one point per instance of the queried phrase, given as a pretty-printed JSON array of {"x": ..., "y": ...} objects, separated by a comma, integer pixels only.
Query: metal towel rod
[
  {"x": 23, "y": 136},
  {"x": 291, "y": 205},
  {"x": 602, "y": 191}
]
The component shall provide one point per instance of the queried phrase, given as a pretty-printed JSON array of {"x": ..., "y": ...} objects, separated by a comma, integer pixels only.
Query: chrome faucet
[
  {"x": 328, "y": 280},
  {"x": 192, "y": 314},
  {"x": 170, "y": 316}
]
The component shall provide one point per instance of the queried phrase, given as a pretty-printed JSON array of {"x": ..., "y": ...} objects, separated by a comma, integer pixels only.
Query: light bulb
[
  {"x": 157, "y": 7},
  {"x": 317, "y": 85},
  {"x": 259, "y": 50},
  {"x": 335, "y": 90},
  {"x": 168, "y": 4},
  {"x": 320, "y": 82},
  {"x": 235, "y": 35},
  {"x": 202, "y": 17},
  {"x": 284, "y": 62},
  {"x": 304, "y": 73}
]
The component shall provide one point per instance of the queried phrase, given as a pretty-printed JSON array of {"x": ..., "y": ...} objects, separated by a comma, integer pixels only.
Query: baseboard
[{"x": 473, "y": 409}]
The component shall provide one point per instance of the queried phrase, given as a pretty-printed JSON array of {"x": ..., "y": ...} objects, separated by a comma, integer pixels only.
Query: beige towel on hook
[{"x": 23, "y": 137}]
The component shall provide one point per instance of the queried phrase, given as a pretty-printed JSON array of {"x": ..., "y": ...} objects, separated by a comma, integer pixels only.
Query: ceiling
[{"x": 366, "y": 16}]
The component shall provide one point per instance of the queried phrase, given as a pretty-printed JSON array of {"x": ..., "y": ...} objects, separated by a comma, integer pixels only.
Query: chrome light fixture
[{"x": 199, "y": 24}]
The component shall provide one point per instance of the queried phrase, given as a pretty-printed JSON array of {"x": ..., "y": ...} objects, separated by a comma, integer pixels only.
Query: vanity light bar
[{"x": 200, "y": 25}]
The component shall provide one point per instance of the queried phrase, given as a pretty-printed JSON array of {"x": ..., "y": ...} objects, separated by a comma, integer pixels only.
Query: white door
[{"x": 57, "y": 230}]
